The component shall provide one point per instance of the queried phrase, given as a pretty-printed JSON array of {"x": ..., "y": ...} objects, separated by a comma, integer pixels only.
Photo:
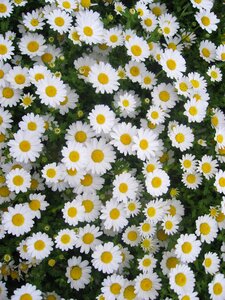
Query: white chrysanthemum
[
  {"x": 78, "y": 273},
  {"x": 113, "y": 37},
  {"x": 51, "y": 173},
  {"x": 132, "y": 208},
  {"x": 104, "y": 78},
  {"x": 147, "y": 228},
  {"x": 6, "y": 8},
  {"x": 157, "y": 183},
  {"x": 198, "y": 82},
  {"x": 83, "y": 65},
  {"x": 131, "y": 236},
  {"x": 17, "y": 220},
  {"x": 51, "y": 91},
  {"x": 220, "y": 181},
  {"x": 181, "y": 137},
  {"x": 164, "y": 95},
  {"x": 125, "y": 187},
  {"x": 215, "y": 74},
  {"x": 38, "y": 72},
  {"x": 148, "y": 80},
  {"x": 137, "y": 48},
  {"x": 91, "y": 204},
  {"x": 188, "y": 163},
  {"x": 18, "y": 180},
  {"x": 112, "y": 287},
  {"x": 147, "y": 285},
  {"x": 149, "y": 22},
  {"x": 9, "y": 96},
  {"x": 67, "y": 5},
  {"x": 37, "y": 203},
  {"x": 187, "y": 248},
  {"x": 202, "y": 4},
  {"x": 102, "y": 119},
  {"x": 65, "y": 239},
  {"x": 73, "y": 212},
  {"x": 100, "y": 156},
  {"x": 87, "y": 238},
  {"x": 122, "y": 137},
  {"x": 5, "y": 120},
  {"x": 207, "y": 20},
  {"x": 147, "y": 263},
  {"x": 206, "y": 228},
  {"x": 33, "y": 20},
  {"x": 170, "y": 224},
  {"x": 207, "y": 50},
  {"x": 220, "y": 52},
  {"x": 195, "y": 110},
  {"x": 207, "y": 166},
  {"x": 69, "y": 101},
  {"x": 106, "y": 258},
  {"x": 32, "y": 44},
  {"x": 74, "y": 156},
  {"x": 211, "y": 263},
  {"x": 6, "y": 48},
  {"x": 155, "y": 210},
  {"x": 216, "y": 287},
  {"x": 89, "y": 183},
  {"x": 182, "y": 279},
  {"x": 183, "y": 86},
  {"x": 18, "y": 77},
  {"x": 127, "y": 102},
  {"x": 169, "y": 261},
  {"x": 3, "y": 290},
  {"x": 89, "y": 27},
  {"x": 79, "y": 132},
  {"x": 156, "y": 115},
  {"x": 27, "y": 291},
  {"x": 59, "y": 20},
  {"x": 173, "y": 63},
  {"x": 168, "y": 24},
  {"x": 39, "y": 245},
  {"x": 4, "y": 69},
  {"x": 114, "y": 215},
  {"x": 192, "y": 180}
]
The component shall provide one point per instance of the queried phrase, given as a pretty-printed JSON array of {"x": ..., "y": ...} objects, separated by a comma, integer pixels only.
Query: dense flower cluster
[{"x": 112, "y": 141}]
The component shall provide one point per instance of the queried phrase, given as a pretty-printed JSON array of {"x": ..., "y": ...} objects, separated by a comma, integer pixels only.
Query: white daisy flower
[
  {"x": 106, "y": 258},
  {"x": 9, "y": 96},
  {"x": 38, "y": 72},
  {"x": 182, "y": 279},
  {"x": 187, "y": 248},
  {"x": 39, "y": 245},
  {"x": 168, "y": 24},
  {"x": 18, "y": 77},
  {"x": 89, "y": 183},
  {"x": 207, "y": 50},
  {"x": 91, "y": 204},
  {"x": 207, "y": 166},
  {"x": 114, "y": 215},
  {"x": 220, "y": 52},
  {"x": 28, "y": 291},
  {"x": 148, "y": 80},
  {"x": 6, "y": 8},
  {"x": 216, "y": 287},
  {"x": 195, "y": 110},
  {"x": 157, "y": 183},
  {"x": 147, "y": 228},
  {"x": 149, "y": 22},
  {"x": 156, "y": 114},
  {"x": 125, "y": 187},
  {"x": 104, "y": 78},
  {"x": 78, "y": 273},
  {"x": 51, "y": 173},
  {"x": 17, "y": 220},
  {"x": 131, "y": 236},
  {"x": 181, "y": 137},
  {"x": 192, "y": 180},
  {"x": 147, "y": 263},
  {"x": 169, "y": 261},
  {"x": 74, "y": 156},
  {"x": 207, "y": 20},
  {"x": 37, "y": 203},
  {"x": 79, "y": 132},
  {"x": 33, "y": 20},
  {"x": 32, "y": 44},
  {"x": 147, "y": 285},
  {"x": 33, "y": 123},
  {"x": 127, "y": 102},
  {"x": 18, "y": 180},
  {"x": 155, "y": 210},
  {"x": 137, "y": 48},
  {"x": 211, "y": 263},
  {"x": 183, "y": 86},
  {"x": 173, "y": 63},
  {"x": 132, "y": 208},
  {"x": 170, "y": 224},
  {"x": 4, "y": 69},
  {"x": 59, "y": 20},
  {"x": 220, "y": 181},
  {"x": 202, "y": 4},
  {"x": 73, "y": 212},
  {"x": 112, "y": 287},
  {"x": 6, "y": 48},
  {"x": 134, "y": 70},
  {"x": 206, "y": 228},
  {"x": 3, "y": 290},
  {"x": 65, "y": 239},
  {"x": 164, "y": 95},
  {"x": 5, "y": 120},
  {"x": 197, "y": 81},
  {"x": 87, "y": 238},
  {"x": 113, "y": 37},
  {"x": 188, "y": 163},
  {"x": 214, "y": 73}
]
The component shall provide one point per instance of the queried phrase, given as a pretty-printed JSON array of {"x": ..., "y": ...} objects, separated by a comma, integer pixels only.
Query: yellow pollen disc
[
  {"x": 88, "y": 205},
  {"x": 115, "y": 288},
  {"x": 123, "y": 187},
  {"x": 75, "y": 273},
  {"x": 206, "y": 52},
  {"x": 222, "y": 182},
  {"x": 131, "y": 206},
  {"x": 125, "y": 139},
  {"x": 204, "y": 228},
  {"x": 88, "y": 238},
  {"x": 26, "y": 297},
  {"x": 207, "y": 262},
  {"x": 3, "y": 8},
  {"x": 74, "y": 156},
  {"x": 7, "y": 93},
  {"x": 47, "y": 57},
  {"x": 125, "y": 103},
  {"x": 195, "y": 83},
  {"x": 85, "y": 3},
  {"x": 24, "y": 146},
  {"x": 151, "y": 212},
  {"x": 88, "y": 31},
  {"x": 129, "y": 293},
  {"x": 147, "y": 80},
  {"x": 87, "y": 180},
  {"x": 134, "y": 71},
  {"x": 84, "y": 70},
  {"x": 132, "y": 236},
  {"x": 20, "y": 79},
  {"x": 205, "y": 21},
  {"x": 106, "y": 257},
  {"x": 193, "y": 111},
  {"x": 172, "y": 46},
  {"x": 150, "y": 168},
  {"x": 65, "y": 238},
  {"x": 222, "y": 151},
  {"x": 186, "y": 297},
  {"x": 80, "y": 136},
  {"x": 114, "y": 213},
  {"x": 161, "y": 235},
  {"x": 171, "y": 64},
  {"x": 136, "y": 50},
  {"x": 186, "y": 247},
  {"x": 155, "y": 115},
  {"x": 34, "y": 205},
  {"x": 1, "y": 74},
  {"x": 34, "y": 22},
  {"x": 103, "y": 78},
  {"x": 191, "y": 178},
  {"x": 187, "y": 163},
  {"x": 156, "y": 182},
  {"x": 168, "y": 225},
  {"x": 219, "y": 138},
  {"x": 179, "y": 138},
  {"x": 32, "y": 126},
  {"x": 147, "y": 262},
  {"x": 100, "y": 119},
  {"x": 4, "y": 191},
  {"x": 166, "y": 30},
  {"x": 51, "y": 173},
  {"x": 113, "y": 38},
  {"x": 18, "y": 180},
  {"x": 18, "y": 220},
  {"x": 222, "y": 56},
  {"x": 214, "y": 74},
  {"x": 217, "y": 288},
  {"x": 2, "y": 137},
  {"x": 146, "y": 227},
  {"x": 3, "y": 49},
  {"x": 51, "y": 91},
  {"x": 33, "y": 46},
  {"x": 183, "y": 86},
  {"x": 59, "y": 21},
  {"x": 39, "y": 245},
  {"x": 172, "y": 262},
  {"x": 148, "y": 22},
  {"x": 143, "y": 144},
  {"x": 180, "y": 279},
  {"x": 97, "y": 156},
  {"x": 146, "y": 284},
  {"x": 206, "y": 167},
  {"x": 65, "y": 101},
  {"x": 220, "y": 217},
  {"x": 72, "y": 212},
  {"x": 75, "y": 36},
  {"x": 27, "y": 101},
  {"x": 156, "y": 11},
  {"x": 103, "y": 46},
  {"x": 164, "y": 96},
  {"x": 66, "y": 4}
]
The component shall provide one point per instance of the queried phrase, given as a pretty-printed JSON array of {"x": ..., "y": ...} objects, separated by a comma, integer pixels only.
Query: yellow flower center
[
  {"x": 132, "y": 235},
  {"x": 88, "y": 238},
  {"x": 150, "y": 168},
  {"x": 7, "y": 93},
  {"x": 193, "y": 110},
  {"x": 88, "y": 205},
  {"x": 3, "y": 8},
  {"x": 34, "y": 22},
  {"x": 219, "y": 138},
  {"x": 207, "y": 262},
  {"x": 65, "y": 238},
  {"x": 134, "y": 71},
  {"x": 186, "y": 247},
  {"x": 18, "y": 220},
  {"x": 156, "y": 182},
  {"x": 172, "y": 262},
  {"x": 180, "y": 138},
  {"x": 100, "y": 119},
  {"x": 113, "y": 38},
  {"x": 151, "y": 212},
  {"x": 172, "y": 46},
  {"x": 164, "y": 96},
  {"x": 123, "y": 187},
  {"x": 97, "y": 156},
  {"x": 59, "y": 21},
  {"x": 181, "y": 279},
  {"x": 103, "y": 78},
  {"x": 125, "y": 139},
  {"x": 3, "y": 49},
  {"x": 129, "y": 293},
  {"x": 47, "y": 57},
  {"x": 206, "y": 52},
  {"x": 191, "y": 178},
  {"x": 51, "y": 173},
  {"x": 183, "y": 86},
  {"x": 114, "y": 213},
  {"x": 143, "y": 144},
  {"x": 39, "y": 245},
  {"x": 66, "y": 4},
  {"x": 136, "y": 50},
  {"x": 80, "y": 136},
  {"x": 204, "y": 228},
  {"x": 32, "y": 126},
  {"x": 20, "y": 79},
  {"x": 148, "y": 22},
  {"x": 88, "y": 31},
  {"x": 155, "y": 115},
  {"x": 187, "y": 163},
  {"x": 33, "y": 46},
  {"x": 205, "y": 21},
  {"x": 222, "y": 182},
  {"x": 146, "y": 227},
  {"x": 75, "y": 273},
  {"x": 146, "y": 284},
  {"x": 72, "y": 212},
  {"x": 74, "y": 156},
  {"x": 147, "y": 262},
  {"x": 35, "y": 205},
  {"x": 206, "y": 167},
  {"x": 147, "y": 80},
  {"x": 87, "y": 180},
  {"x": 26, "y": 297},
  {"x": 195, "y": 83},
  {"x": 115, "y": 288},
  {"x": 217, "y": 288},
  {"x": 106, "y": 257},
  {"x": 18, "y": 180},
  {"x": 131, "y": 206},
  {"x": 4, "y": 191},
  {"x": 51, "y": 91},
  {"x": 171, "y": 64},
  {"x": 24, "y": 146},
  {"x": 85, "y": 3},
  {"x": 214, "y": 74},
  {"x": 1, "y": 74},
  {"x": 220, "y": 217},
  {"x": 168, "y": 225}
]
